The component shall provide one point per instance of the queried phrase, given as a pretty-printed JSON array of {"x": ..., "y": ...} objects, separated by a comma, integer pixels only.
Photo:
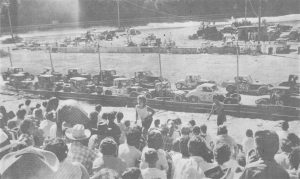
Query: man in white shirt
[
  {"x": 208, "y": 139},
  {"x": 151, "y": 172},
  {"x": 283, "y": 133},
  {"x": 127, "y": 151},
  {"x": 47, "y": 124},
  {"x": 196, "y": 165},
  {"x": 248, "y": 142}
]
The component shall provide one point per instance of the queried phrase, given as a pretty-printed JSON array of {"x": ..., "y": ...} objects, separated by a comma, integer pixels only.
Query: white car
[{"x": 204, "y": 93}]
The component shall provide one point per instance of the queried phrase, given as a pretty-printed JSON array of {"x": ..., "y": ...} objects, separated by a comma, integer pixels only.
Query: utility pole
[
  {"x": 9, "y": 19},
  {"x": 237, "y": 66},
  {"x": 9, "y": 54},
  {"x": 100, "y": 66},
  {"x": 259, "y": 20},
  {"x": 246, "y": 9},
  {"x": 118, "y": 4},
  {"x": 52, "y": 67},
  {"x": 159, "y": 59}
]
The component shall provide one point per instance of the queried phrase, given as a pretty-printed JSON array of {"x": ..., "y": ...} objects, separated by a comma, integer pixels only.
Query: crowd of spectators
[{"x": 59, "y": 140}]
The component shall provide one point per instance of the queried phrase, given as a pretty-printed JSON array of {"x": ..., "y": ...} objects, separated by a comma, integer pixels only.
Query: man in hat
[
  {"x": 29, "y": 163},
  {"x": 267, "y": 144},
  {"x": 79, "y": 151},
  {"x": 95, "y": 140}
]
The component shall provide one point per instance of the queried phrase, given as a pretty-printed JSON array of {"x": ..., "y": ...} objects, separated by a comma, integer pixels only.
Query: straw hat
[
  {"x": 30, "y": 162},
  {"x": 78, "y": 132}
]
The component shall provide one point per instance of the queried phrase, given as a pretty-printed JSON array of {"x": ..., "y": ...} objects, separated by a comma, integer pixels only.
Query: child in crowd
[{"x": 151, "y": 157}]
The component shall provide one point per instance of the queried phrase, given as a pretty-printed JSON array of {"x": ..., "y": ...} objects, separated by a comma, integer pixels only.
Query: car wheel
[
  {"x": 177, "y": 98},
  {"x": 133, "y": 94},
  {"x": 193, "y": 99},
  {"x": 108, "y": 92},
  {"x": 178, "y": 86},
  {"x": 262, "y": 91}
]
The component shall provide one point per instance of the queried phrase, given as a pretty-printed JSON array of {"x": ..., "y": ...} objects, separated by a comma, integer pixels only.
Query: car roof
[
  {"x": 280, "y": 87},
  {"x": 121, "y": 79},
  {"x": 18, "y": 74},
  {"x": 207, "y": 85},
  {"x": 78, "y": 78},
  {"x": 46, "y": 75}
]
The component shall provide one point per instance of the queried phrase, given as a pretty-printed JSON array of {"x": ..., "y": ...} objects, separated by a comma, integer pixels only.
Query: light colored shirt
[
  {"x": 179, "y": 162},
  {"x": 142, "y": 112},
  {"x": 71, "y": 170},
  {"x": 194, "y": 168},
  {"x": 162, "y": 162},
  {"x": 283, "y": 160},
  {"x": 111, "y": 162},
  {"x": 129, "y": 154},
  {"x": 153, "y": 173},
  {"x": 248, "y": 144},
  {"x": 45, "y": 126}
]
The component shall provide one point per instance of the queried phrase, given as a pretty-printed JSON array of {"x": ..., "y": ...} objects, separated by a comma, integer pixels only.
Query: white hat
[
  {"x": 78, "y": 132},
  {"x": 3, "y": 137}
]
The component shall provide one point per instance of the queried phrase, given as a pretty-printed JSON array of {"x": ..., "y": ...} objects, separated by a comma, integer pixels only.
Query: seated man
[{"x": 267, "y": 145}]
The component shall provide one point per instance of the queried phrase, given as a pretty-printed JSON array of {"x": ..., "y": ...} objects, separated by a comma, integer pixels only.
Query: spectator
[
  {"x": 155, "y": 141},
  {"x": 167, "y": 140},
  {"x": 67, "y": 169},
  {"x": 294, "y": 139},
  {"x": 128, "y": 152},
  {"x": 38, "y": 113},
  {"x": 122, "y": 126},
  {"x": 92, "y": 123},
  {"x": 109, "y": 158},
  {"x": 185, "y": 132},
  {"x": 223, "y": 137},
  {"x": 283, "y": 133},
  {"x": 43, "y": 107},
  {"x": 27, "y": 129},
  {"x": 267, "y": 143},
  {"x": 183, "y": 158},
  {"x": 52, "y": 104},
  {"x": 95, "y": 140},
  {"x": 222, "y": 154},
  {"x": 113, "y": 129},
  {"x": 294, "y": 161},
  {"x": 206, "y": 136},
  {"x": 78, "y": 150},
  {"x": 4, "y": 118},
  {"x": 282, "y": 158},
  {"x": 192, "y": 123},
  {"x": 248, "y": 142},
  {"x": 132, "y": 173},
  {"x": 196, "y": 130},
  {"x": 150, "y": 172},
  {"x": 46, "y": 125},
  {"x": 20, "y": 117},
  {"x": 29, "y": 163},
  {"x": 27, "y": 107},
  {"x": 198, "y": 162},
  {"x": 106, "y": 173}
]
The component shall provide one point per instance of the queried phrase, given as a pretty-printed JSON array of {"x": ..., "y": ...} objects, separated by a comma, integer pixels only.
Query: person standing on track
[
  {"x": 218, "y": 107},
  {"x": 144, "y": 113}
]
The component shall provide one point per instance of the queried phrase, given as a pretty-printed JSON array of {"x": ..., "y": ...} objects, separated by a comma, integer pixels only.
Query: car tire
[
  {"x": 193, "y": 99},
  {"x": 262, "y": 91},
  {"x": 178, "y": 86},
  {"x": 108, "y": 92}
]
